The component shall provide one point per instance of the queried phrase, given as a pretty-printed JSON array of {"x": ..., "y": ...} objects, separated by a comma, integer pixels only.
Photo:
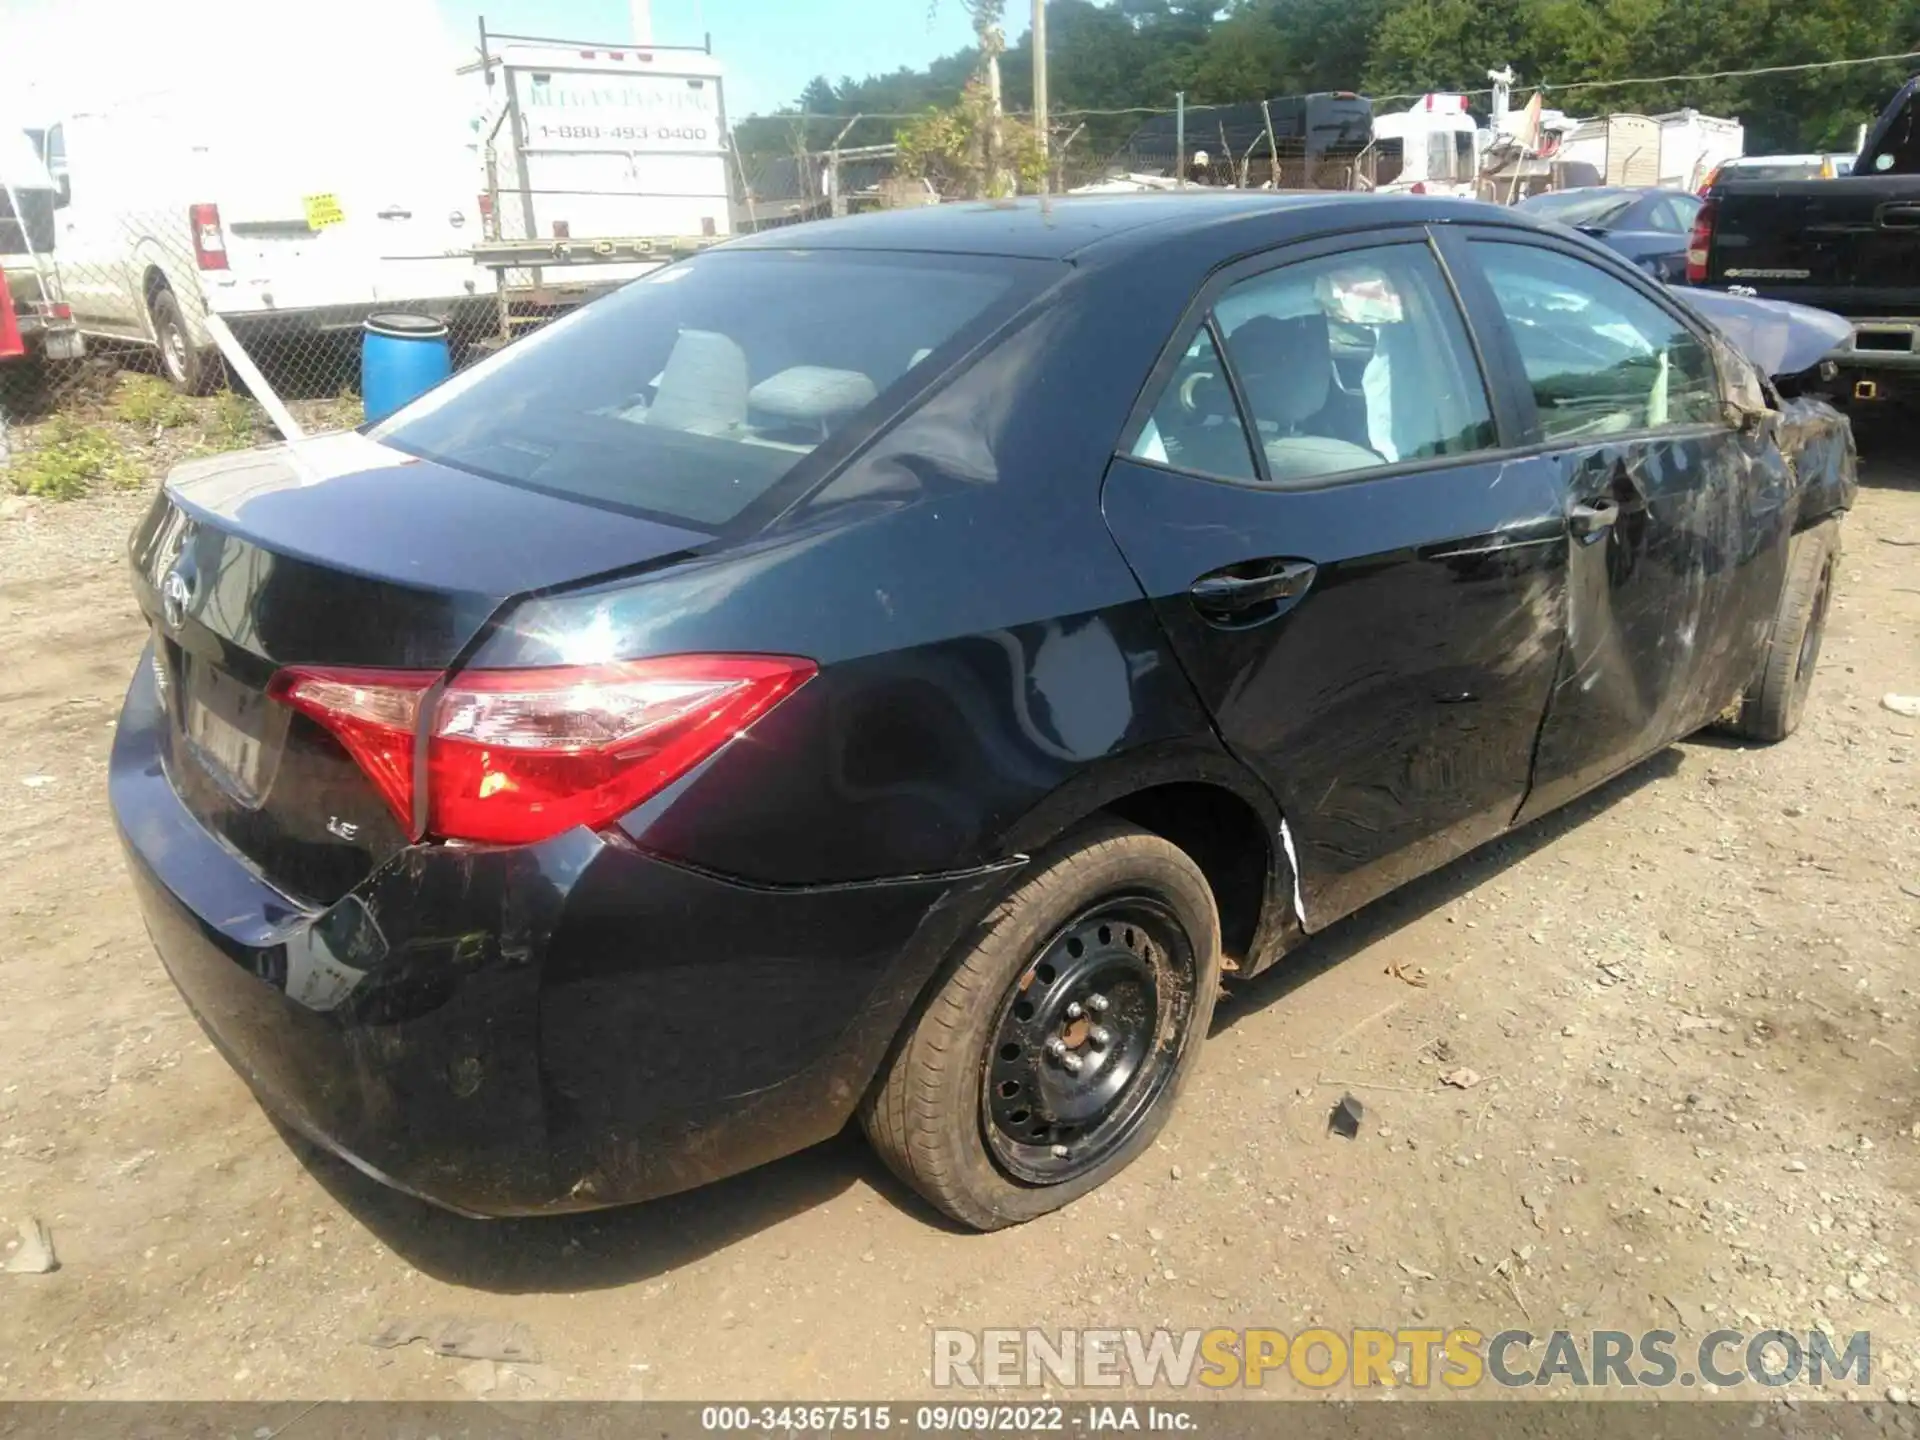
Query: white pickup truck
[
  {"x": 284, "y": 217},
  {"x": 587, "y": 147}
]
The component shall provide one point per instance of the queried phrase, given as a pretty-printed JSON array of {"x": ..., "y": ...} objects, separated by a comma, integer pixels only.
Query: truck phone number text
[{"x": 684, "y": 133}]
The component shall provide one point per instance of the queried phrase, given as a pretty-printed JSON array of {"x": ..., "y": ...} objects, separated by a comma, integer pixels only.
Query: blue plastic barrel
[{"x": 402, "y": 356}]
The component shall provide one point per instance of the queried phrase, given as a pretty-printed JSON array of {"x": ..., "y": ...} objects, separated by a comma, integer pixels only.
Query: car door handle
[
  {"x": 1900, "y": 217},
  {"x": 1590, "y": 517},
  {"x": 394, "y": 212},
  {"x": 1239, "y": 588}
]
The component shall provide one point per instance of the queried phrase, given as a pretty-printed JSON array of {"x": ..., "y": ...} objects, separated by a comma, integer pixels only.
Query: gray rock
[{"x": 35, "y": 1254}]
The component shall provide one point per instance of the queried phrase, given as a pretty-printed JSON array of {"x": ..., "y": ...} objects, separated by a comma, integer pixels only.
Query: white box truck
[
  {"x": 597, "y": 151},
  {"x": 284, "y": 214}
]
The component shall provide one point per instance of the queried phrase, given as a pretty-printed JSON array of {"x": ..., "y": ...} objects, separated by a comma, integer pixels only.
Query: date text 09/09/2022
[{"x": 939, "y": 1419}]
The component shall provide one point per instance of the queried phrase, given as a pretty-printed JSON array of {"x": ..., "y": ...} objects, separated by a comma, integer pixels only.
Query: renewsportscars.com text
[{"x": 1461, "y": 1358}]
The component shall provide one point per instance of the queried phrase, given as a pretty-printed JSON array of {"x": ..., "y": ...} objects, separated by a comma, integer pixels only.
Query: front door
[
  {"x": 1365, "y": 591},
  {"x": 1679, "y": 520}
]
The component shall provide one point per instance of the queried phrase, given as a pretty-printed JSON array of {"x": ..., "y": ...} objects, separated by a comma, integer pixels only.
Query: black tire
[
  {"x": 1771, "y": 709},
  {"x": 1112, "y": 908},
  {"x": 189, "y": 369}
]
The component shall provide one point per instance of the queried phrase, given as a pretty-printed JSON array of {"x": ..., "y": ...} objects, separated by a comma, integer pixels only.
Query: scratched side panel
[
  {"x": 1392, "y": 708},
  {"x": 1818, "y": 443},
  {"x": 1669, "y": 609}
]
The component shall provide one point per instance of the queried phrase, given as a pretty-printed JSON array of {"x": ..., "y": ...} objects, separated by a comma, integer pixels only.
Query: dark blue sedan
[
  {"x": 900, "y": 667},
  {"x": 1649, "y": 226}
]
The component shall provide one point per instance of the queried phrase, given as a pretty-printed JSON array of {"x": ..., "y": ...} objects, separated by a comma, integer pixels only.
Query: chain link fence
[
  {"x": 125, "y": 371},
  {"x": 151, "y": 339}
]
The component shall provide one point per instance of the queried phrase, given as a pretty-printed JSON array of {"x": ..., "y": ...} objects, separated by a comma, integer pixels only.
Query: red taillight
[
  {"x": 373, "y": 713},
  {"x": 209, "y": 240},
  {"x": 1419, "y": 187},
  {"x": 1700, "y": 243},
  {"x": 515, "y": 756},
  {"x": 1707, "y": 184}
]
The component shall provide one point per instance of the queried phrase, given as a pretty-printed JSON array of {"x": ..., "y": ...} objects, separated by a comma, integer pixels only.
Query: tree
[{"x": 953, "y": 149}]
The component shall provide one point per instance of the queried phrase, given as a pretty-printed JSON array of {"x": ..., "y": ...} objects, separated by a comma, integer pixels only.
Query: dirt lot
[{"x": 1692, "y": 998}]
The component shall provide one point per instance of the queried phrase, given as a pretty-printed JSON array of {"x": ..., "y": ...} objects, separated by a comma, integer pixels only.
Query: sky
[
  {"x": 78, "y": 49},
  {"x": 770, "y": 48}
]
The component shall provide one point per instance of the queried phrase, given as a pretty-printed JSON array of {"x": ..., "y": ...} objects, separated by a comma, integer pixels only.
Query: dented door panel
[
  {"x": 1392, "y": 705},
  {"x": 1668, "y": 609}
]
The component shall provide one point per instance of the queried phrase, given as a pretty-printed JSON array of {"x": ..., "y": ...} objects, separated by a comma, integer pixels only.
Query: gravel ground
[{"x": 1690, "y": 998}]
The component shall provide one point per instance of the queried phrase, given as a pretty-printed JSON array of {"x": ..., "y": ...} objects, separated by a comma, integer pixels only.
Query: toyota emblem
[{"x": 176, "y": 592}]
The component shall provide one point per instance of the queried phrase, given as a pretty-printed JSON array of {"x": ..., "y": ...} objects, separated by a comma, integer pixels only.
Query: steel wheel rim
[
  {"x": 1111, "y": 992},
  {"x": 174, "y": 348}
]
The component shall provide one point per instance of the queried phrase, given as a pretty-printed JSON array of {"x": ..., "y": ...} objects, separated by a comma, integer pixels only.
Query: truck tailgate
[{"x": 1850, "y": 245}]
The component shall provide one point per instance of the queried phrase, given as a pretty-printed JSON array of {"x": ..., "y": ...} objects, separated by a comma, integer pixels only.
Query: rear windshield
[
  {"x": 689, "y": 393},
  {"x": 1576, "y": 207}
]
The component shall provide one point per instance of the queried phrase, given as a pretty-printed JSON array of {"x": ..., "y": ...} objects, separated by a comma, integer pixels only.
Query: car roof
[{"x": 1067, "y": 227}]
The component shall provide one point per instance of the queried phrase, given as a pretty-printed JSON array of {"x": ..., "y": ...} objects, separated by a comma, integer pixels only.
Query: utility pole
[
  {"x": 642, "y": 13},
  {"x": 1040, "y": 74},
  {"x": 1180, "y": 139}
]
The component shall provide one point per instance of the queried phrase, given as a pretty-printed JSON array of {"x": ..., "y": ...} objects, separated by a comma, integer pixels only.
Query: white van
[{"x": 282, "y": 216}]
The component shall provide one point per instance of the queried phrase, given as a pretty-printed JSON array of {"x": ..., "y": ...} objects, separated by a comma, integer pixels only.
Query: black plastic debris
[{"x": 1345, "y": 1120}]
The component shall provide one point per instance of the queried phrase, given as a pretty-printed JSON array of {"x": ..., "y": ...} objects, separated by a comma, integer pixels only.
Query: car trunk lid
[
  {"x": 334, "y": 552},
  {"x": 1850, "y": 245}
]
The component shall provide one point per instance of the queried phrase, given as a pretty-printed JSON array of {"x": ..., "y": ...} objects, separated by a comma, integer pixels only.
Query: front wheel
[
  {"x": 1772, "y": 707},
  {"x": 1050, "y": 1056}
]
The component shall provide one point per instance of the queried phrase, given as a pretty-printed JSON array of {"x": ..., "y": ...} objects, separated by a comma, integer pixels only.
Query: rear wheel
[
  {"x": 1050, "y": 1056},
  {"x": 189, "y": 369},
  {"x": 1774, "y": 703}
]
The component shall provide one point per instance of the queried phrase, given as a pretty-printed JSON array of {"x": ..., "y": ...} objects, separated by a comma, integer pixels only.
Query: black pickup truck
[{"x": 1849, "y": 245}]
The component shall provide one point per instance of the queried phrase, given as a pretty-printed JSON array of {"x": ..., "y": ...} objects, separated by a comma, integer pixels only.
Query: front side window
[
  {"x": 1600, "y": 357},
  {"x": 1353, "y": 361},
  {"x": 689, "y": 393},
  {"x": 1440, "y": 157}
]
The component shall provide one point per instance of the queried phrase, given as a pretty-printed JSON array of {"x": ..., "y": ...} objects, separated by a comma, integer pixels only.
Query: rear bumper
[
  {"x": 540, "y": 1028},
  {"x": 266, "y": 313},
  {"x": 1884, "y": 345}
]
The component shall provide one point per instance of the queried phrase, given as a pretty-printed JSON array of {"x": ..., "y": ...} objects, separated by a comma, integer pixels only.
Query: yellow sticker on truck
[{"x": 322, "y": 211}]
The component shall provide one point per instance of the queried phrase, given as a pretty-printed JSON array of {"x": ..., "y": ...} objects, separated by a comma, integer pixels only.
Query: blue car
[{"x": 1648, "y": 225}]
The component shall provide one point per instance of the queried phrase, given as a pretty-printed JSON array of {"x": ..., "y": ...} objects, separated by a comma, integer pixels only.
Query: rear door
[
  {"x": 1679, "y": 520},
  {"x": 1365, "y": 589},
  {"x": 375, "y": 207}
]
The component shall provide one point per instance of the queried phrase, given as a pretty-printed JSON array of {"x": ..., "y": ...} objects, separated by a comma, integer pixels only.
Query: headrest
[
  {"x": 812, "y": 392},
  {"x": 1285, "y": 366}
]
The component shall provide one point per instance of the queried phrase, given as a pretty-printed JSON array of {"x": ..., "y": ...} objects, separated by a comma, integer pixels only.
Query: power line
[
  {"x": 1549, "y": 88},
  {"x": 1553, "y": 89}
]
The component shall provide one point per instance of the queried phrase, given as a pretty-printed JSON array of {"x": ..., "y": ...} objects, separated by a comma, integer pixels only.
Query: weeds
[
  {"x": 69, "y": 459},
  {"x": 150, "y": 403},
  {"x": 231, "y": 423}
]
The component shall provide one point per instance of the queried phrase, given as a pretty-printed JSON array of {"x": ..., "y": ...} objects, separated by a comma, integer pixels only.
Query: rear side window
[
  {"x": 690, "y": 393},
  {"x": 1196, "y": 426},
  {"x": 1600, "y": 357},
  {"x": 1353, "y": 361},
  {"x": 1673, "y": 214}
]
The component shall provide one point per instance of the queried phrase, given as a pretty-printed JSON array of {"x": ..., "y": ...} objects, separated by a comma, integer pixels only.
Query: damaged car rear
[{"x": 896, "y": 669}]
